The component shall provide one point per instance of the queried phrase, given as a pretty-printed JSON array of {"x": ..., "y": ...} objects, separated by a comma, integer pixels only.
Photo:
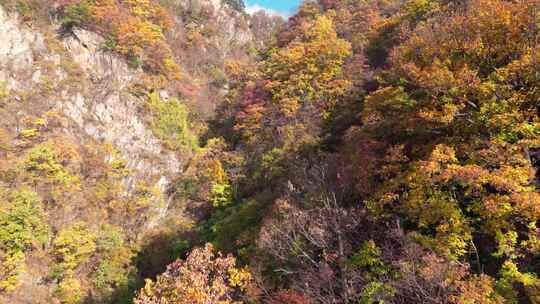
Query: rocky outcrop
[
  {"x": 109, "y": 112},
  {"x": 18, "y": 47},
  {"x": 99, "y": 105},
  {"x": 230, "y": 28}
]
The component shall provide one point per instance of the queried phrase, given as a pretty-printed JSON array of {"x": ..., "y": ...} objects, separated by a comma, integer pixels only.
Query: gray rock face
[
  {"x": 102, "y": 107},
  {"x": 227, "y": 19},
  {"x": 111, "y": 113},
  {"x": 17, "y": 47},
  {"x": 231, "y": 33}
]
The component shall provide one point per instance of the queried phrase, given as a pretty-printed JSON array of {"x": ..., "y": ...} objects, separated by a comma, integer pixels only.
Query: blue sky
[{"x": 281, "y": 7}]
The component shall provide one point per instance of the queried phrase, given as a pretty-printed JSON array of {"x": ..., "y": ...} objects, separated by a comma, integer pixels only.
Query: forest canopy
[{"x": 360, "y": 152}]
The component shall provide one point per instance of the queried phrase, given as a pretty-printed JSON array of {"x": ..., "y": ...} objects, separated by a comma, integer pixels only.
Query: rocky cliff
[
  {"x": 80, "y": 135},
  {"x": 93, "y": 88}
]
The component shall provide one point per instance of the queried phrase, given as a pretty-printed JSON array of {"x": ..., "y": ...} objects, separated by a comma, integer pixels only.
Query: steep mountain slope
[
  {"x": 90, "y": 88},
  {"x": 95, "y": 131}
]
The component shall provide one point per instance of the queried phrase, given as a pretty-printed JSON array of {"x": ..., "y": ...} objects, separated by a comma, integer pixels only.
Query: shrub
[
  {"x": 29, "y": 133},
  {"x": 76, "y": 14},
  {"x": 114, "y": 271},
  {"x": 22, "y": 227},
  {"x": 12, "y": 267},
  {"x": 69, "y": 291},
  {"x": 44, "y": 162},
  {"x": 170, "y": 123},
  {"x": 22, "y": 222},
  {"x": 72, "y": 247},
  {"x": 221, "y": 195}
]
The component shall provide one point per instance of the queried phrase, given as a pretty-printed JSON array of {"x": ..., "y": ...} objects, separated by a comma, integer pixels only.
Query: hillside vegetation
[{"x": 360, "y": 152}]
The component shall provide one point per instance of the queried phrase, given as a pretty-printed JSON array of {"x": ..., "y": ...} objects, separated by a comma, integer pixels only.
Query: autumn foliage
[
  {"x": 204, "y": 277},
  {"x": 369, "y": 152},
  {"x": 133, "y": 28},
  {"x": 418, "y": 116}
]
